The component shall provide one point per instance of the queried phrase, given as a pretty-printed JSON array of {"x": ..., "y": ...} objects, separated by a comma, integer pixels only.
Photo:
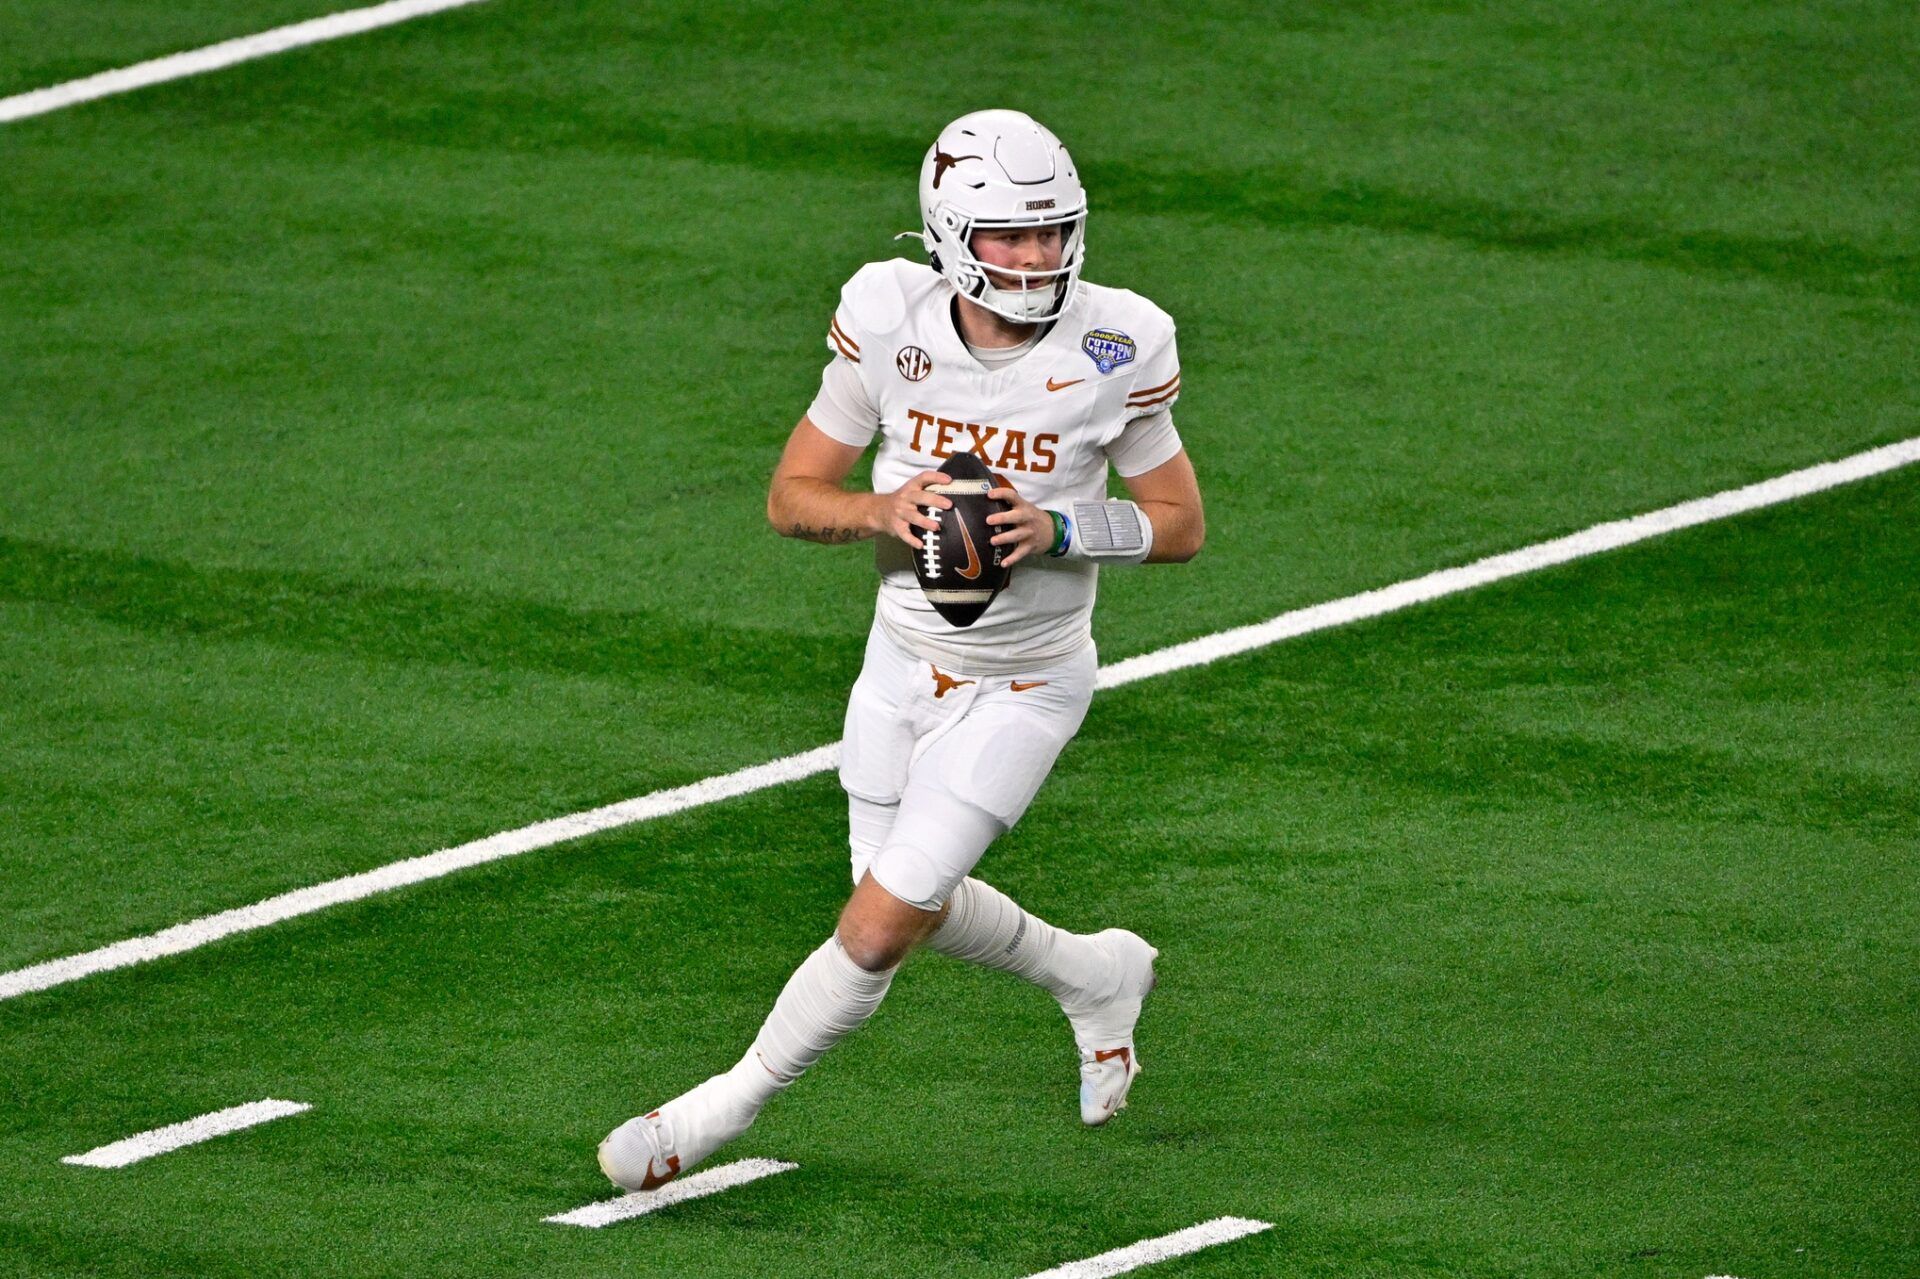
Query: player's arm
[
  {"x": 1164, "y": 523},
  {"x": 808, "y": 498},
  {"x": 1170, "y": 496}
]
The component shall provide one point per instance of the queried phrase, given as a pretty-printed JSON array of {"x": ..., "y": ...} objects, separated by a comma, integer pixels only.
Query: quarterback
[{"x": 1000, "y": 349}]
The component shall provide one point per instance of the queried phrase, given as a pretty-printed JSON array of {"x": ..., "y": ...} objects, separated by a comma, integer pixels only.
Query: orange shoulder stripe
[
  {"x": 1158, "y": 399},
  {"x": 1155, "y": 390}
]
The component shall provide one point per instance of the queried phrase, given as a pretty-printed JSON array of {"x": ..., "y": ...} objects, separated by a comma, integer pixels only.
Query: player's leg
[
  {"x": 830, "y": 995},
  {"x": 833, "y": 991},
  {"x": 1101, "y": 980},
  {"x": 982, "y": 925},
  {"x": 982, "y": 776}
]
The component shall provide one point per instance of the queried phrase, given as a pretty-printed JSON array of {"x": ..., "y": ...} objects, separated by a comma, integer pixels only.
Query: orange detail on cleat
[{"x": 653, "y": 1180}]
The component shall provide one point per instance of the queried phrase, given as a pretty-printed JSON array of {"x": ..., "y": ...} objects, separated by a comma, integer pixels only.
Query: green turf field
[{"x": 384, "y": 429}]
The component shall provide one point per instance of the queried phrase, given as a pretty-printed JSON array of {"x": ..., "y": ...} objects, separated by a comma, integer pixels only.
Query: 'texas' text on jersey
[{"x": 1003, "y": 448}]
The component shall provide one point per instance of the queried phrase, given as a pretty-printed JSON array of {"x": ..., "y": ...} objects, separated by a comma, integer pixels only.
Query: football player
[{"x": 1001, "y": 349}]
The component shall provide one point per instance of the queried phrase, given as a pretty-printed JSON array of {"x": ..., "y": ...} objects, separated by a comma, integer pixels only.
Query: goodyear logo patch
[{"x": 1107, "y": 348}]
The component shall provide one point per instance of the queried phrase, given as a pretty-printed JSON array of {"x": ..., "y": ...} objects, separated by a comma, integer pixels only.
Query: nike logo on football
[
  {"x": 972, "y": 570},
  {"x": 1021, "y": 687},
  {"x": 1061, "y": 386}
]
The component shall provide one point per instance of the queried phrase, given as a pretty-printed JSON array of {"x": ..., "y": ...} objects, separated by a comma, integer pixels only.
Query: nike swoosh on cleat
[{"x": 654, "y": 1180}]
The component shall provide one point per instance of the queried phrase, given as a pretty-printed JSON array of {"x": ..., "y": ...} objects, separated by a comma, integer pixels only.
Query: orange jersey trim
[
  {"x": 1158, "y": 399},
  {"x": 848, "y": 347},
  {"x": 1155, "y": 390}
]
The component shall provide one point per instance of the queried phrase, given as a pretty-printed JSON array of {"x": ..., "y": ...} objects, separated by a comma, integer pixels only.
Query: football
[{"x": 958, "y": 566}]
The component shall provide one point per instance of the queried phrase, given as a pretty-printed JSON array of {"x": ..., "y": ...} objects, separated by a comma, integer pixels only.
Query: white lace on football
[{"x": 930, "y": 541}]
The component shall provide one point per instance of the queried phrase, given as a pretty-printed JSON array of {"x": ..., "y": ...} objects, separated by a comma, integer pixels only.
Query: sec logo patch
[{"x": 913, "y": 363}]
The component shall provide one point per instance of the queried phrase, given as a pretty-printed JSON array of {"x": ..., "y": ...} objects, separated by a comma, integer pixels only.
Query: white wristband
[{"x": 1115, "y": 531}]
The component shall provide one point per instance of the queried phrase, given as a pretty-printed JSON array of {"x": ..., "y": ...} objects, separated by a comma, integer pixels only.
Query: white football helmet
[{"x": 1002, "y": 169}]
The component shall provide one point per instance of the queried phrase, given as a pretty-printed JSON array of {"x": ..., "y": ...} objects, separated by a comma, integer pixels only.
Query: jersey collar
[{"x": 954, "y": 347}]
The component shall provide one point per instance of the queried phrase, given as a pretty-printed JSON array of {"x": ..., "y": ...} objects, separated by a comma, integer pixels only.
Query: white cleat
[
  {"x": 647, "y": 1152},
  {"x": 636, "y": 1155},
  {"x": 1103, "y": 1031}
]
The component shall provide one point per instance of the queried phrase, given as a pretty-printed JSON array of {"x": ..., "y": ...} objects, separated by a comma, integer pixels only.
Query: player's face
[{"x": 1035, "y": 248}]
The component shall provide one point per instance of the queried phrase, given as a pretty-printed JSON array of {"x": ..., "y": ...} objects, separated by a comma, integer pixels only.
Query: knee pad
[
  {"x": 909, "y": 874},
  {"x": 936, "y": 841}
]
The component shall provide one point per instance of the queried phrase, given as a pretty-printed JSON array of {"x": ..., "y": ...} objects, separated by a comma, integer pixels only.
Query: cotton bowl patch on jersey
[{"x": 1107, "y": 348}]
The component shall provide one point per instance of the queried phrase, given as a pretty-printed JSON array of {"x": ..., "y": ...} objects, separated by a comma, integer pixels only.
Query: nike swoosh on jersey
[{"x": 1061, "y": 386}]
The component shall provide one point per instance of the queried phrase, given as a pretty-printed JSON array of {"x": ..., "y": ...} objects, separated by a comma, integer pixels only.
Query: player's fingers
[{"x": 1019, "y": 554}]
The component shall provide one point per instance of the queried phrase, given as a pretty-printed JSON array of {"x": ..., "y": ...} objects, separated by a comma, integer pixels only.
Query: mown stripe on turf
[
  {"x": 212, "y": 57},
  {"x": 1451, "y": 581},
  {"x": 1593, "y": 541},
  {"x": 1267, "y": 197},
  {"x": 189, "y": 1132},
  {"x": 1149, "y": 1251},
  {"x": 305, "y": 901},
  {"x": 318, "y": 613},
  {"x": 641, "y": 1202}
]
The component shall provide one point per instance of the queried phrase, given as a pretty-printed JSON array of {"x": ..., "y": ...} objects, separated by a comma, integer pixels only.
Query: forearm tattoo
[{"x": 831, "y": 536}]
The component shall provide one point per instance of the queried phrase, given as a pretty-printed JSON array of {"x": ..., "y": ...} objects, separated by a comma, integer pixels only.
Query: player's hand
[
  {"x": 1024, "y": 526},
  {"x": 903, "y": 514}
]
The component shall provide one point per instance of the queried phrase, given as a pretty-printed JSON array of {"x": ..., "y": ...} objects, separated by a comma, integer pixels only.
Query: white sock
[
  {"x": 984, "y": 926},
  {"x": 827, "y": 998}
]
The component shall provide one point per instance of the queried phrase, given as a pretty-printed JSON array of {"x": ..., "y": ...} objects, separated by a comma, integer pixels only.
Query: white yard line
[
  {"x": 697, "y": 1186},
  {"x": 191, "y": 1132},
  {"x": 1451, "y": 581},
  {"x": 178, "y": 66},
  {"x": 1601, "y": 537},
  {"x": 1147, "y": 1251},
  {"x": 304, "y": 901}
]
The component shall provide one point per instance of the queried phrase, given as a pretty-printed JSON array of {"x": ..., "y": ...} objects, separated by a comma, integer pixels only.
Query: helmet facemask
[
  {"x": 994, "y": 170},
  {"x": 1030, "y": 297}
]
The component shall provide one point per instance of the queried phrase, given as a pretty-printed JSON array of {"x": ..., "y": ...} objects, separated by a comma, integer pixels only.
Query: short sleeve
[
  {"x": 1157, "y": 385},
  {"x": 840, "y": 337},
  {"x": 1144, "y": 443},
  {"x": 843, "y": 410}
]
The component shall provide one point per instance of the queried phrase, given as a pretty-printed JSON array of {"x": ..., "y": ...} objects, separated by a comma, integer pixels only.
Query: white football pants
[{"x": 938, "y": 761}]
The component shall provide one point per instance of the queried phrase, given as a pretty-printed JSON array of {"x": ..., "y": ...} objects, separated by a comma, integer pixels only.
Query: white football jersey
[{"x": 1049, "y": 423}]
